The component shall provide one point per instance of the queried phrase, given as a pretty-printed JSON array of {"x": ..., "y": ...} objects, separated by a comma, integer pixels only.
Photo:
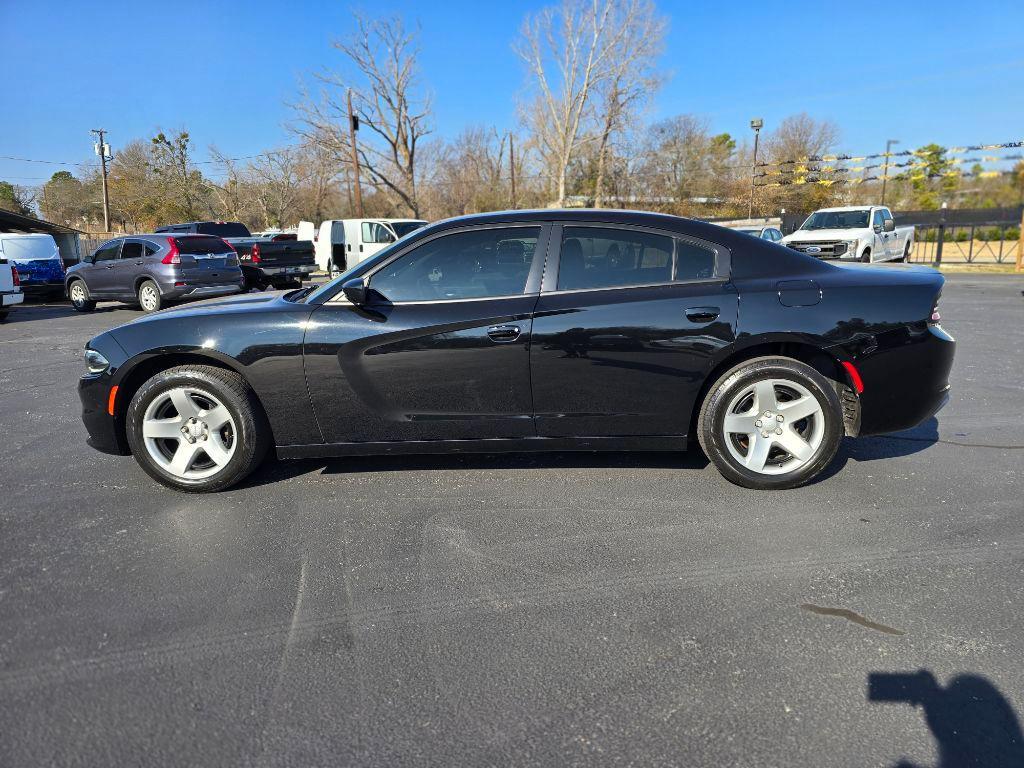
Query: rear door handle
[
  {"x": 503, "y": 333},
  {"x": 702, "y": 314}
]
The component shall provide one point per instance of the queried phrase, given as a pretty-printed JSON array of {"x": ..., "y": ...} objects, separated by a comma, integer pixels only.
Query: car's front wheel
[
  {"x": 771, "y": 422},
  {"x": 197, "y": 428}
]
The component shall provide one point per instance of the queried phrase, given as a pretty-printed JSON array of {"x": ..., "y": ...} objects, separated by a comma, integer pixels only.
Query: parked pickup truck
[
  {"x": 10, "y": 290},
  {"x": 864, "y": 233},
  {"x": 265, "y": 262}
]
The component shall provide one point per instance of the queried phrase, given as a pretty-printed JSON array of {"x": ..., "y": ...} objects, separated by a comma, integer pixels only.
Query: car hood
[
  {"x": 804, "y": 235},
  {"x": 237, "y": 303}
]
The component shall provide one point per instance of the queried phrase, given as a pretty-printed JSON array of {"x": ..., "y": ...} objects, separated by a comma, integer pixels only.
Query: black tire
[
  {"x": 252, "y": 428},
  {"x": 906, "y": 254},
  {"x": 80, "y": 303},
  {"x": 3, "y": 314},
  {"x": 712, "y": 436},
  {"x": 866, "y": 256},
  {"x": 149, "y": 296}
]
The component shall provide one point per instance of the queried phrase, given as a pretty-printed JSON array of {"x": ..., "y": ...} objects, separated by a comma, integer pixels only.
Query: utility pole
[
  {"x": 103, "y": 150},
  {"x": 512, "y": 166},
  {"x": 885, "y": 168},
  {"x": 353, "y": 126},
  {"x": 757, "y": 124}
]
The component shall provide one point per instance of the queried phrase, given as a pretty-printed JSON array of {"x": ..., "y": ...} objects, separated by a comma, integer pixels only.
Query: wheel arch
[
  {"x": 817, "y": 357},
  {"x": 131, "y": 380}
]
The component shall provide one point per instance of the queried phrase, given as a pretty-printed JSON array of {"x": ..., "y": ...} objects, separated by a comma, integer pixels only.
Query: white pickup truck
[
  {"x": 10, "y": 289},
  {"x": 864, "y": 233}
]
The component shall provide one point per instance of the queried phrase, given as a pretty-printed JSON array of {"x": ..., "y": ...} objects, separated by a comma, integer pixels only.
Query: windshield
[
  {"x": 328, "y": 288},
  {"x": 837, "y": 220},
  {"x": 755, "y": 232},
  {"x": 223, "y": 229},
  {"x": 403, "y": 228}
]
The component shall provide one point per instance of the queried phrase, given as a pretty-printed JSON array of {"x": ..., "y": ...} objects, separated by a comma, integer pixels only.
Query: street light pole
[
  {"x": 757, "y": 124},
  {"x": 885, "y": 168}
]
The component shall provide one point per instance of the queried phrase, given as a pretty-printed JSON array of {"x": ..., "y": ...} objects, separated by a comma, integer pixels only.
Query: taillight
[
  {"x": 15, "y": 276},
  {"x": 935, "y": 317},
  {"x": 255, "y": 254},
  {"x": 173, "y": 256}
]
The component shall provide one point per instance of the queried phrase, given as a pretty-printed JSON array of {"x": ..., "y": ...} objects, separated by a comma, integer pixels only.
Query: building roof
[{"x": 15, "y": 222}]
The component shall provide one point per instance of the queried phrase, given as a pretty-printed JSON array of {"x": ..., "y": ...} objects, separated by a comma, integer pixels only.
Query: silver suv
[{"x": 153, "y": 270}]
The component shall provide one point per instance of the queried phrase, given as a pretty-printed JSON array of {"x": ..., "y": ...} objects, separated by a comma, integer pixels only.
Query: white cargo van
[{"x": 342, "y": 243}]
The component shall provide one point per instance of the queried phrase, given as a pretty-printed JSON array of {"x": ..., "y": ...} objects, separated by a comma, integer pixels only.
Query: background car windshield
[
  {"x": 464, "y": 265},
  {"x": 836, "y": 220},
  {"x": 200, "y": 245},
  {"x": 403, "y": 228},
  {"x": 30, "y": 249},
  {"x": 223, "y": 229}
]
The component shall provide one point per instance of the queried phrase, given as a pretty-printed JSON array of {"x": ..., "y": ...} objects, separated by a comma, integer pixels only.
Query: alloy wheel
[
  {"x": 774, "y": 426},
  {"x": 189, "y": 433}
]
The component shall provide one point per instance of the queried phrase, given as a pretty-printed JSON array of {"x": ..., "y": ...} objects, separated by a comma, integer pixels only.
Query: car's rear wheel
[
  {"x": 771, "y": 422},
  {"x": 197, "y": 428},
  {"x": 149, "y": 296},
  {"x": 3, "y": 314},
  {"x": 79, "y": 296}
]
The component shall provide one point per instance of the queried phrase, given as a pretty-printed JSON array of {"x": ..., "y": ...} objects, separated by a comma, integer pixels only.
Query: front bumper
[
  {"x": 906, "y": 381},
  {"x": 104, "y": 435},
  {"x": 10, "y": 298}
]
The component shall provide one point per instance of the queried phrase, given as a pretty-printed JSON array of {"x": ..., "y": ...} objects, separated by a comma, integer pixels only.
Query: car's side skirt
[{"x": 494, "y": 445}]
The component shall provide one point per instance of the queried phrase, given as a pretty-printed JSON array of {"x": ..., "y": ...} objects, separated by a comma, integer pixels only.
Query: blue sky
[{"x": 938, "y": 71}]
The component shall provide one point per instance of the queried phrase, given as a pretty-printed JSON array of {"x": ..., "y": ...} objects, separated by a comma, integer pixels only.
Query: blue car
[{"x": 38, "y": 262}]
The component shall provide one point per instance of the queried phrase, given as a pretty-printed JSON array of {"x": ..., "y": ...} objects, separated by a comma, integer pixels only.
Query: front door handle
[
  {"x": 702, "y": 314},
  {"x": 503, "y": 333}
]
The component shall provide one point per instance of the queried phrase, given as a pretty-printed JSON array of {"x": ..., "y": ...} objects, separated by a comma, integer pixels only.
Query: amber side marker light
[
  {"x": 111, "y": 400},
  {"x": 854, "y": 374}
]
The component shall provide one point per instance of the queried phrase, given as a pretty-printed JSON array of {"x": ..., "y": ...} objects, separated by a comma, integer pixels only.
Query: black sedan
[{"x": 526, "y": 331}]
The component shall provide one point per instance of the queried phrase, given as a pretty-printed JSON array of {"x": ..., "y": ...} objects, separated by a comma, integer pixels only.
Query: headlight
[{"x": 95, "y": 362}]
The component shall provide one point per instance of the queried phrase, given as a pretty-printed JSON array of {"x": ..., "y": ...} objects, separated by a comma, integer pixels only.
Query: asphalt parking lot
[{"x": 559, "y": 610}]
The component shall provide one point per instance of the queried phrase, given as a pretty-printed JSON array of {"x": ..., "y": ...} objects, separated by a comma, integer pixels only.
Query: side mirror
[
  {"x": 355, "y": 290},
  {"x": 889, "y": 225},
  {"x": 89, "y": 258}
]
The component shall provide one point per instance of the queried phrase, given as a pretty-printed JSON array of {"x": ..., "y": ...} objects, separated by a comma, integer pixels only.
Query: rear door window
[
  {"x": 604, "y": 257},
  {"x": 200, "y": 245}
]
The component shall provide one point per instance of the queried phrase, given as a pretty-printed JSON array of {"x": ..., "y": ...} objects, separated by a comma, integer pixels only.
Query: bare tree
[
  {"x": 567, "y": 49},
  {"x": 637, "y": 40},
  {"x": 387, "y": 101}
]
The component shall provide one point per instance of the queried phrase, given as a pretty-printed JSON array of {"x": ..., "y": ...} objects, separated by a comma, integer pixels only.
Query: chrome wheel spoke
[
  {"x": 740, "y": 423},
  {"x": 216, "y": 417},
  {"x": 184, "y": 404},
  {"x": 184, "y": 457},
  {"x": 215, "y": 448},
  {"x": 794, "y": 410},
  {"x": 757, "y": 453},
  {"x": 764, "y": 394},
  {"x": 795, "y": 445},
  {"x": 166, "y": 428}
]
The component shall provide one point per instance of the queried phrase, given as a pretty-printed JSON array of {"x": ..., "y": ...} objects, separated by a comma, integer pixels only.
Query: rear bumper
[
  {"x": 43, "y": 288},
  {"x": 10, "y": 298},
  {"x": 202, "y": 291},
  {"x": 906, "y": 381},
  {"x": 104, "y": 436},
  {"x": 302, "y": 269}
]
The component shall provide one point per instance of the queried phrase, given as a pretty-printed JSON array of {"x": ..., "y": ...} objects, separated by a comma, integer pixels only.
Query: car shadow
[
  {"x": 893, "y": 445},
  {"x": 972, "y": 722},
  {"x": 275, "y": 470},
  {"x": 27, "y": 312}
]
